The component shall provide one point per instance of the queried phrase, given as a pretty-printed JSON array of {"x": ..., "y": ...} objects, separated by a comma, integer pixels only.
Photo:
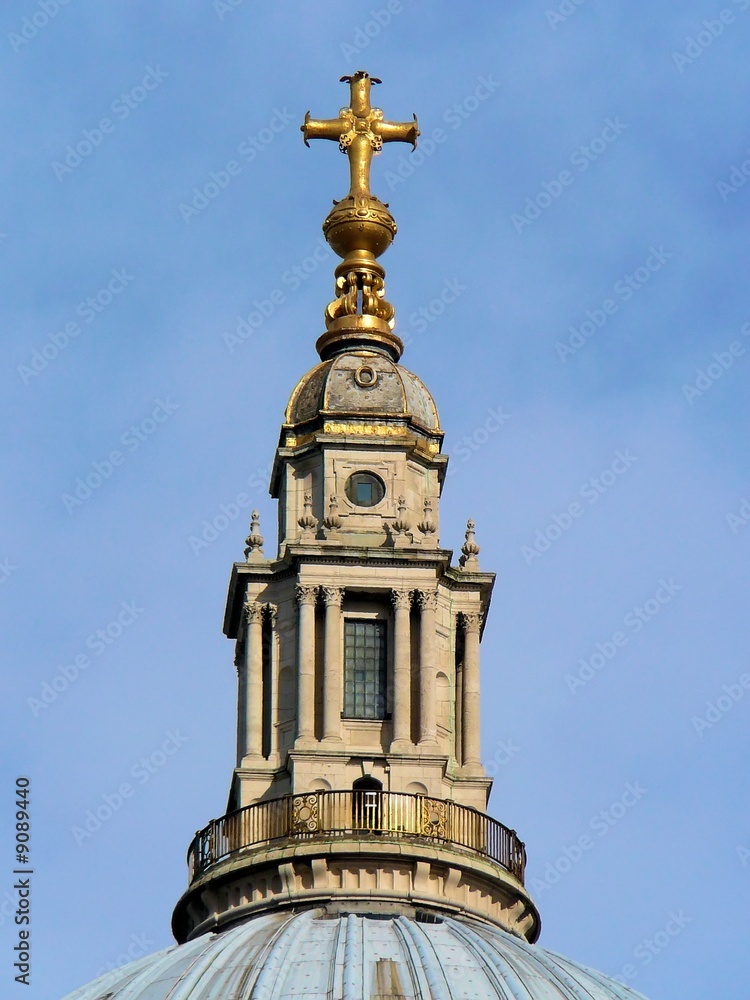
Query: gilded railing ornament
[
  {"x": 435, "y": 818},
  {"x": 359, "y": 227},
  {"x": 305, "y": 813}
]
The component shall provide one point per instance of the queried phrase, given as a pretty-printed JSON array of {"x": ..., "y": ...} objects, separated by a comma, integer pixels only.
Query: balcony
[{"x": 356, "y": 814}]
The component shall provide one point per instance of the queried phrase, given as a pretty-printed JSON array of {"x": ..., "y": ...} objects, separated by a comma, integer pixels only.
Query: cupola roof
[
  {"x": 362, "y": 383},
  {"x": 355, "y": 956}
]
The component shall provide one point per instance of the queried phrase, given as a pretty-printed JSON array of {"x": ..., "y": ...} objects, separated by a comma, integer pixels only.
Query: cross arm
[
  {"x": 323, "y": 128},
  {"x": 397, "y": 131}
]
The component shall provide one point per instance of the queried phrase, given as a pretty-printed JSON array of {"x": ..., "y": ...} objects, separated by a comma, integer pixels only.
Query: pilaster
[
  {"x": 472, "y": 624},
  {"x": 401, "y": 601},
  {"x": 306, "y": 598},
  {"x": 427, "y": 604},
  {"x": 333, "y": 679}
]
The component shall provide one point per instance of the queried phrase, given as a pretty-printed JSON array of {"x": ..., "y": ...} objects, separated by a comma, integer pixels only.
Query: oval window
[{"x": 365, "y": 489}]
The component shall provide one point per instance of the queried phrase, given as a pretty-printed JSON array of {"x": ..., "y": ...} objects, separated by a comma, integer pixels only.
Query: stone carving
[
  {"x": 472, "y": 620},
  {"x": 254, "y": 541},
  {"x": 401, "y": 525},
  {"x": 401, "y": 599},
  {"x": 470, "y": 549},
  {"x": 427, "y": 525},
  {"x": 427, "y": 600},
  {"x": 333, "y": 596},
  {"x": 308, "y": 522},
  {"x": 332, "y": 521},
  {"x": 253, "y": 612},
  {"x": 305, "y": 594}
]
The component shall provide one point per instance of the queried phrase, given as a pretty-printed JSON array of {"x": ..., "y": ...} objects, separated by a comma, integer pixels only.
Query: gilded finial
[
  {"x": 254, "y": 541},
  {"x": 360, "y": 227},
  {"x": 470, "y": 549}
]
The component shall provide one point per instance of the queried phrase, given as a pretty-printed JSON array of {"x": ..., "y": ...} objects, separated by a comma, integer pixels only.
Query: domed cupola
[
  {"x": 356, "y": 859},
  {"x": 357, "y": 383},
  {"x": 359, "y": 414}
]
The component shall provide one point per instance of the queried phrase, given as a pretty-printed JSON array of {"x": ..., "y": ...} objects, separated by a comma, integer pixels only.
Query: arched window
[{"x": 367, "y": 808}]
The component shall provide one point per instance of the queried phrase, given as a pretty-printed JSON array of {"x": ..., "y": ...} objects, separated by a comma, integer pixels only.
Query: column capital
[
  {"x": 273, "y": 612},
  {"x": 401, "y": 599},
  {"x": 305, "y": 595},
  {"x": 472, "y": 620},
  {"x": 253, "y": 612},
  {"x": 427, "y": 600},
  {"x": 332, "y": 596}
]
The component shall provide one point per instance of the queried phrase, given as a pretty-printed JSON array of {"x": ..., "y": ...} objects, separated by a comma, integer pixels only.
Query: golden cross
[{"x": 360, "y": 131}]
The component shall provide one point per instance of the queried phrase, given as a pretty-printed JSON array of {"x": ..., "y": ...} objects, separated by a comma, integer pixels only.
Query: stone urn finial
[
  {"x": 254, "y": 541},
  {"x": 470, "y": 550},
  {"x": 308, "y": 522}
]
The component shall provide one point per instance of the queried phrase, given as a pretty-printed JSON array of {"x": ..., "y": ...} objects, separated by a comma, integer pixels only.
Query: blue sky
[{"x": 586, "y": 193}]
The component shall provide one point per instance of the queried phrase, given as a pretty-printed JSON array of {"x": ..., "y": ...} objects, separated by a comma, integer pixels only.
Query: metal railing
[{"x": 356, "y": 813}]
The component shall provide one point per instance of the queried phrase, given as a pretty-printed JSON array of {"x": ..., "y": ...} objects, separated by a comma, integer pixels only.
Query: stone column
[
  {"x": 272, "y": 698},
  {"x": 253, "y": 744},
  {"x": 472, "y": 623},
  {"x": 239, "y": 662},
  {"x": 333, "y": 679},
  {"x": 306, "y": 597},
  {"x": 401, "y": 701},
  {"x": 427, "y": 669}
]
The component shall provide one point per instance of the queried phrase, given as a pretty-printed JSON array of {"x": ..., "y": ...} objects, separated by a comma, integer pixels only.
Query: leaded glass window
[{"x": 365, "y": 669}]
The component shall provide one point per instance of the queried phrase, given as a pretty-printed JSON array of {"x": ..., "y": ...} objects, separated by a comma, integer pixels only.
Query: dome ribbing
[{"x": 324, "y": 955}]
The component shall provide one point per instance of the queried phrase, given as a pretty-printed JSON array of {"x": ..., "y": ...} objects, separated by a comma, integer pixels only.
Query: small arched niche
[
  {"x": 320, "y": 785},
  {"x": 443, "y": 700}
]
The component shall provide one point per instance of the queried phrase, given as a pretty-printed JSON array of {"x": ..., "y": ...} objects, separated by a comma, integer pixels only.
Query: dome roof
[
  {"x": 362, "y": 383},
  {"x": 354, "y": 956}
]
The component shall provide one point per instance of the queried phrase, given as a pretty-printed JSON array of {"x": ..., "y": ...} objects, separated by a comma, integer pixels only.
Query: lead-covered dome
[
  {"x": 325, "y": 955},
  {"x": 362, "y": 383}
]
